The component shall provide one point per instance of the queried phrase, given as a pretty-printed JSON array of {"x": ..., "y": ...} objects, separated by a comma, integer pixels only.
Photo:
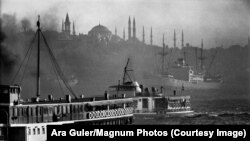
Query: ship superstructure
[
  {"x": 151, "y": 101},
  {"x": 27, "y": 120},
  {"x": 180, "y": 74}
]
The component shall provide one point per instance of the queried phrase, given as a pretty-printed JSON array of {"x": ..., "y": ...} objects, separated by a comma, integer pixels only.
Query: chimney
[
  {"x": 123, "y": 95},
  {"x": 50, "y": 98},
  {"x": 68, "y": 98},
  {"x": 106, "y": 95},
  {"x": 82, "y": 96}
]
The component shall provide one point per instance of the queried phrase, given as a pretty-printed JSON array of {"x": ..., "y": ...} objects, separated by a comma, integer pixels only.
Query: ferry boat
[
  {"x": 28, "y": 120},
  {"x": 151, "y": 102}
]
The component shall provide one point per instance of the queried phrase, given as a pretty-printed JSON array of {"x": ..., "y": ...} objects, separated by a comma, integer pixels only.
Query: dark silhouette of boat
[{"x": 28, "y": 120}]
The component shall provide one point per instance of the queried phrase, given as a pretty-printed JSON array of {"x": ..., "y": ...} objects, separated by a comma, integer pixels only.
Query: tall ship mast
[
  {"x": 27, "y": 120},
  {"x": 179, "y": 74}
]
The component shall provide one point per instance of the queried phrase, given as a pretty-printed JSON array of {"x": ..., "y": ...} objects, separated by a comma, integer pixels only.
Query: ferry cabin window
[
  {"x": 55, "y": 110},
  {"x": 19, "y": 112},
  {"x": 43, "y": 130},
  {"x": 29, "y": 131},
  {"x": 58, "y": 109},
  {"x": 68, "y": 109},
  {"x": 64, "y": 109},
  {"x": 34, "y": 131},
  {"x": 37, "y": 111},
  {"x": 33, "y": 111},
  {"x": 38, "y": 131},
  {"x": 144, "y": 103},
  {"x": 45, "y": 110},
  {"x": 14, "y": 112},
  {"x": 11, "y": 90},
  {"x": 49, "y": 110},
  {"x": 28, "y": 111},
  {"x": 24, "y": 112},
  {"x": 81, "y": 108}
]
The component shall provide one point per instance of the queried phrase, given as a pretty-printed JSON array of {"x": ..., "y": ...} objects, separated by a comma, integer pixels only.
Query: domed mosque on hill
[{"x": 99, "y": 33}]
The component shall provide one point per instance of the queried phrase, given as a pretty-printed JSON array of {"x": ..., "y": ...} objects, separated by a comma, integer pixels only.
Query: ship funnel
[
  {"x": 106, "y": 95},
  {"x": 153, "y": 90},
  {"x": 141, "y": 87},
  {"x": 68, "y": 98},
  {"x": 123, "y": 95},
  {"x": 50, "y": 98},
  {"x": 137, "y": 87},
  {"x": 82, "y": 96}
]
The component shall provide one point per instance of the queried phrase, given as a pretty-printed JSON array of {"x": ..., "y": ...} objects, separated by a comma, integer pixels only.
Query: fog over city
[{"x": 217, "y": 22}]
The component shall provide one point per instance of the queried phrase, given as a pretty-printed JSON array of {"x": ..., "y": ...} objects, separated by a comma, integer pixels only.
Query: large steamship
[
  {"x": 178, "y": 73},
  {"x": 28, "y": 120}
]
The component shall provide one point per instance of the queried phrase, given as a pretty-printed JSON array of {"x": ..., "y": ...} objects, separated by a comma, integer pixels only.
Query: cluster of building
[{"x": 101, "y": 33}]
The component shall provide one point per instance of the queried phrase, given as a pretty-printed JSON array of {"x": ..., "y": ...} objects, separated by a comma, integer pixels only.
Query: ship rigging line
[
  {"x": 25, "y": 63},
  {"x": 19, "y": 69},
  {"x": 210, "y": 65},
  {"x": 57, "y": 67}
]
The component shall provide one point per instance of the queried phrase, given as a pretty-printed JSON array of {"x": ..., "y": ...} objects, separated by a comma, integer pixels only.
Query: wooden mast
[{"x": 38, "y": 58}]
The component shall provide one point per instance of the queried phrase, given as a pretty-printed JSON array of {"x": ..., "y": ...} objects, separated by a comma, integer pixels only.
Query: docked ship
[
  {"x": 27, "y": 120},
  {"x": 151, "y": 101},
  {"x": 180, "y": 75}
]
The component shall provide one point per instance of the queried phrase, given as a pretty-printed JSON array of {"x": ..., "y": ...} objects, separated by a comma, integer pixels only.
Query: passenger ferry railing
[{"x": 110, "y": 113}]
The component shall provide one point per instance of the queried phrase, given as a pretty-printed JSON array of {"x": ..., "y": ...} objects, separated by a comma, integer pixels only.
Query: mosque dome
[{"x": 101, "y": 32}]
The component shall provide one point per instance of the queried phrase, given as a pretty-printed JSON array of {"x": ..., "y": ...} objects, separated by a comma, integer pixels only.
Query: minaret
[
  {"x": 124, "y": 34},
  {"x": 174, "y": 39},
  {"x": 163, "y": 43},
  {"x": 67, "y": 24},
  {"x": 62, "y": 26},
  {"x": 151, "y": 37},
  {"x": 74, "y": 32},
  {"x": 115, "y": 31},
  {"x": 163, "y": 54},
  {"x": 134, "y": 29},
  {"x": 201, "y": 54},
  {"x": 182, "y": 39},
  {"x": 143, "y": 35},
  {"x": 129, "y": 28}
]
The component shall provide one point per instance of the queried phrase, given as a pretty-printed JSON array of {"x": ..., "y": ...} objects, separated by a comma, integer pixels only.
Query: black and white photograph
[{"x": 123, "y": 62}]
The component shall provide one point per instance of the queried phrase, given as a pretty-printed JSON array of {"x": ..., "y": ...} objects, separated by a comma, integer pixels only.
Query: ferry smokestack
[
  {"x": 141, "y": 86},
  {"x": 123, "y": 95},
  {"x": 68, "y": 98},
  {"x": 82, "y": 96},
  {"x": 162, "y": 88},
  {"x": 106, "y": 95},
  {"x": 50, "y": 98}
]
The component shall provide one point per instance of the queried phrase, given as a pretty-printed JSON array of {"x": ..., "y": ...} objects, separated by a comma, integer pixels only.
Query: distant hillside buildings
[
  {"x": 99, "y": 33},
  {"x": 66, "y": 31}
]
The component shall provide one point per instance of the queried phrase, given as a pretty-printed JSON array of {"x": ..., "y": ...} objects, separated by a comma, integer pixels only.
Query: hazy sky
[{"x": 216, "y": 21}]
